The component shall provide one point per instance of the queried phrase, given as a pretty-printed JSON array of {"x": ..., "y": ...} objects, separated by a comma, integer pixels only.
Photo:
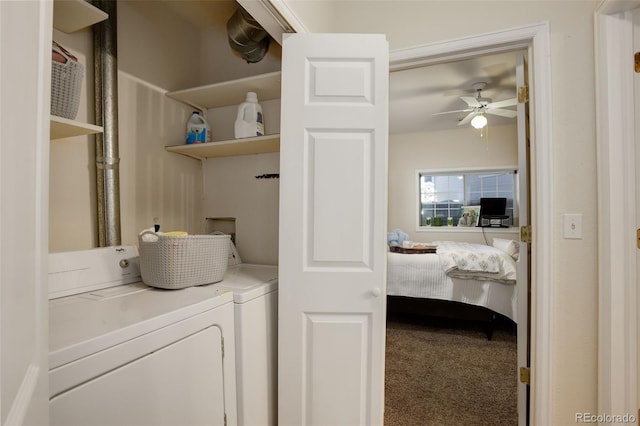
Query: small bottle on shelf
[{"x": 198, "y": 130}]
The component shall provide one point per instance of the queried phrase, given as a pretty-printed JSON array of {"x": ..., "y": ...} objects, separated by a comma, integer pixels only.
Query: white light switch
[{"x": 572, "y": 224}]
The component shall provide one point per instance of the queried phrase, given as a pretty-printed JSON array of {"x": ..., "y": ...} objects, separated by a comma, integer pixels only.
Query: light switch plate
[{"x": 572, "y": 224}]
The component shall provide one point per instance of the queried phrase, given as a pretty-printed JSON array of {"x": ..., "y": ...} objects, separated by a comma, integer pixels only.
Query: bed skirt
[{"x": 422, "y": 276}]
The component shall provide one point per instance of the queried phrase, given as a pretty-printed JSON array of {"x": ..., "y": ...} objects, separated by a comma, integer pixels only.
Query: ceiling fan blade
[
  {"x": 471, "y": 101},
  {"x": 500, "y": 104},
  {"x": 502, "y": 112},
  {"x": 449, "y": 112},
  {"x": 467, "y": 119}
]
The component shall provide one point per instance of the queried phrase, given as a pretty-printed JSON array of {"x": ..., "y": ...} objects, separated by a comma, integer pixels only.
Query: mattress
[{"x": 422, "y": 276}]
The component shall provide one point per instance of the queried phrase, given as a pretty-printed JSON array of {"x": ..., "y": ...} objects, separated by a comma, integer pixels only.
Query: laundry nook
[{"x": 172, "y": 320}]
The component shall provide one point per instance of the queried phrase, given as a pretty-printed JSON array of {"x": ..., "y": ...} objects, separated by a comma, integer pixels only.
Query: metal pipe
[
  {"x": 106, "y": 109},
  {"x": 247, "y": 37}
]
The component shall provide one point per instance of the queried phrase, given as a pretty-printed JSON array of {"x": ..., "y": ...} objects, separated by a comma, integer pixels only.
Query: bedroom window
[{"x": 443, "y": 195}]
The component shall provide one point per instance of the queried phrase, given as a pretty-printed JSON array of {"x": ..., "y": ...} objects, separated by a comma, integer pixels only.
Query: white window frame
[{"x": 463, "y": 170}]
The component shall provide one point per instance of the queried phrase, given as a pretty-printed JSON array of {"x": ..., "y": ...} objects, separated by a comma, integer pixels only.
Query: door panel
[
  {"x": 330, "y": 178},
  {"x": 324, "y": 334},
  {"x": 333, "y": 203}
]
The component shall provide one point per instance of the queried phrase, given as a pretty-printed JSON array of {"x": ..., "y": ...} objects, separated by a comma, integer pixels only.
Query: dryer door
[{"x": 178, "y": 383}]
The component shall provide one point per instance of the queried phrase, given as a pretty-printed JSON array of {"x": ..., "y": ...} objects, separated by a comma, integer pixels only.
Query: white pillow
[{"x": 509, "y": 246}]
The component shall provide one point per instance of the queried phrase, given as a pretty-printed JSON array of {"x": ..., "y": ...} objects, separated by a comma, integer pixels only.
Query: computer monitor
[
  {"x": 493, "y": 206},
  {"x": 493, "y": 212}
]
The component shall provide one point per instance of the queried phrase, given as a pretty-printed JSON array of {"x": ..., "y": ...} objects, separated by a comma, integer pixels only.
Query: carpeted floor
[{"x": 443, "y": 372}]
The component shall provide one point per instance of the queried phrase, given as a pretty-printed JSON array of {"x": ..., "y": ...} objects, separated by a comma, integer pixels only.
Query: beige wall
[
  {"x": 574, "y": 310},
  {"x": 179, "y": 44},
  {"x": 234, "y": 191},
  {"x": 231, "y": 189},
  {"x": 461, "y": 149}
]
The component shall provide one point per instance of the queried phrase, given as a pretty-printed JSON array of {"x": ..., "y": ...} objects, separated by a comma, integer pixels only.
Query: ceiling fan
[{"x": 479, "y": 106}]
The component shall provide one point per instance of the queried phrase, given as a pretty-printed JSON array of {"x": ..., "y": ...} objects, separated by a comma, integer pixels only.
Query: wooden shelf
[
  {"x": 228, "y": 93},
  {"x": 257, "y": 145},
  {"x": 73, "y": 15},
  {"x": 65, "y": 128}
]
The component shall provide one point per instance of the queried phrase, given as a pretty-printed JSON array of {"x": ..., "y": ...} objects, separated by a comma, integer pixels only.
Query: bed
[{"x": 472, "y": 274}]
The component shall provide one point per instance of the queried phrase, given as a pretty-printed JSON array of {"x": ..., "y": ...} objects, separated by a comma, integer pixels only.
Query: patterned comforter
[{"x": 476, "y": 261}]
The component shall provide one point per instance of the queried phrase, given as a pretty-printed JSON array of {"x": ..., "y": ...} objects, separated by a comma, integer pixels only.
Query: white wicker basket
[
  {"x": 66, "y": 84},
  {"x": 174, "y": 262}
]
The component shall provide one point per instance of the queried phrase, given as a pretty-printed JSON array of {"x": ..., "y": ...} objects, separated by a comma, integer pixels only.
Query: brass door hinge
[
  {"x": 525, "y": 234},
  {"x": 523, "y": 94},
  {"x": 638, "y": 237},
  {"x": 525, "y": 375},
  {"x": 636, "y": 62}
]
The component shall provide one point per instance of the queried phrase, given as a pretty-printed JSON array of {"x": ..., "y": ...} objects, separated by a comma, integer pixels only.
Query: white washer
[
  {"x": 130, "y": 354},
  {"x": 255, "y": 296}
]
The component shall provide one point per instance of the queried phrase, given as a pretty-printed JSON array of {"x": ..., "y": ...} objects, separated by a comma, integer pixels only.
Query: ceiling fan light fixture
[{"x": 479, "y": 121}]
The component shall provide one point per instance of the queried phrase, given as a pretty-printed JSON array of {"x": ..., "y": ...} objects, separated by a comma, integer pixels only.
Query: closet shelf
[
  {"x": 73, "y": 15},
  {"x": 229, "y": 93},
  {"x": 65, "y": 128},
  {"x": 229, "y": 148}
]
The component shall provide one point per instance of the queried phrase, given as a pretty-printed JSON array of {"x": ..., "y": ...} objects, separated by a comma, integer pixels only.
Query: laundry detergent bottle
[
  {"x": 250, "y": 121},
  {"x": 198, "y": 130}
]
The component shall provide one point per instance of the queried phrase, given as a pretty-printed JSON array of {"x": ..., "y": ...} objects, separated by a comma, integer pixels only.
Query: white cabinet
[
  {"x": 228, "y": 93},
  {"x": 70, "y": 16}
]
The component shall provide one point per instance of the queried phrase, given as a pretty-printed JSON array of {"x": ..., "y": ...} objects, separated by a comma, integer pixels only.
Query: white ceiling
[{"x": 416, "y": 94}]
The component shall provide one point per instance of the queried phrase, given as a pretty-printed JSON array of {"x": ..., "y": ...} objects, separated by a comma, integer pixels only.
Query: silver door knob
[{"x": 376, "y": 292}]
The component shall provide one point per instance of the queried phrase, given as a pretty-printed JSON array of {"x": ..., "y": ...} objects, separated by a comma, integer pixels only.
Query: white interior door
[
  {"x": 333, "y": 204},
  {"x": 523, "y": 278},
  {"x": 25, "y": 49}
]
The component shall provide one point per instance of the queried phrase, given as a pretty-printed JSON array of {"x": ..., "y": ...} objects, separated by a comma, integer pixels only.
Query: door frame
[
  {"x": 616, "y": 163},
  {"x": 25, "y": 32},
  {"x": 534, "y": 38}
]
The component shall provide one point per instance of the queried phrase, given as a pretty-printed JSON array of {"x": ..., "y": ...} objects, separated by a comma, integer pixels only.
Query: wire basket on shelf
[
  {"x": 66, "y": 82},
  {"x": 173, "y": 262}
]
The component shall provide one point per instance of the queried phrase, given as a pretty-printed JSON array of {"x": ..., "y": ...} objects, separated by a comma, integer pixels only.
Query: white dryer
[
  {"x": 129, "y": 354},
  {"x": 255, "y": 296}
]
